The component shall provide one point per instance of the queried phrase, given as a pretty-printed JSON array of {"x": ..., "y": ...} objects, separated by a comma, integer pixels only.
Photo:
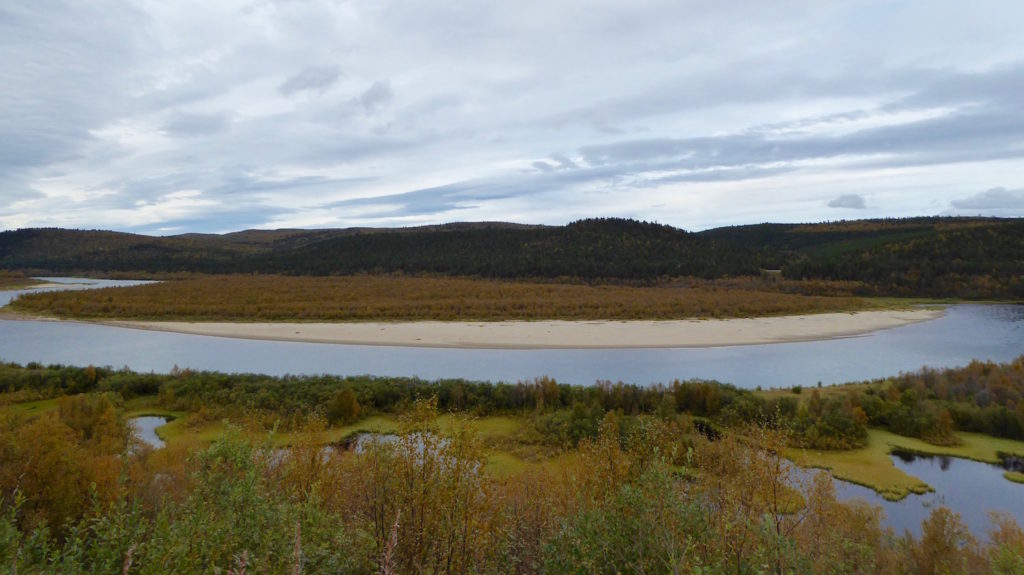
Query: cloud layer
[
  {"x": 187, "y": 116},
  {"x": 851, "y": 201}
]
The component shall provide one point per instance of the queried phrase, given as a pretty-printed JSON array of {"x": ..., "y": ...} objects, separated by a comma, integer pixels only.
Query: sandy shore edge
[{"x": 558, "y": 334}]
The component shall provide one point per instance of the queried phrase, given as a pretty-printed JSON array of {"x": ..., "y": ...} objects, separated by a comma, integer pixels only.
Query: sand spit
[{"x": 559, "y": 334}]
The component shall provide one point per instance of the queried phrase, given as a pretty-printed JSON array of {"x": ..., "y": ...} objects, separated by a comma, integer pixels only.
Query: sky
[{"x": 164, "y": 117}]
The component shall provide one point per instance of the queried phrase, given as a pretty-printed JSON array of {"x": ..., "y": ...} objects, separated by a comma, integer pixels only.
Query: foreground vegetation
[
  {"x": 526, "y": 477},
  {"x": 971, "y": 258},
  {"x": 77, "y": 495},
  {"x": 375, "y": 297}
]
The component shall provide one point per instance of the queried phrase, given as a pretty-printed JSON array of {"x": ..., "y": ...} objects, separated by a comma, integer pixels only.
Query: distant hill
[{"x": 964, "y": 257}]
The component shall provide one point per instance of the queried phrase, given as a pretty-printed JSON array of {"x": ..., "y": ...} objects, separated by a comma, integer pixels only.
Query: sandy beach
[{"x": 560, "y": 334}]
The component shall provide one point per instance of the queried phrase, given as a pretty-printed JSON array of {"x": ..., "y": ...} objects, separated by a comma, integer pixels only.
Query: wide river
[{"x": 965, "y": 332}]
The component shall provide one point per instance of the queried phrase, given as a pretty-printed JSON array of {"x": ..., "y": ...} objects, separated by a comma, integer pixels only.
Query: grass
[
  {"x": 493, "y": 428},
  {"x": 502, "y": 464},
  {"x": 14, "y": 281},
  {"x": 332, "y": 435},
  {"x": 872, "y": 467},
  {"x": 869, "y": 466},
  {"x": 974, "y": 446},
  {"x": 1014, "y": 476},
  {"x": 180, "y": 429},
  {"x": 404, "y": 298},
  {"x": 29, "y": 407},
  {"x": 490, "y": 428}
]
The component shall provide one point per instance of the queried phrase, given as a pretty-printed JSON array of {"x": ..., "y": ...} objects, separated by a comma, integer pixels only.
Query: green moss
[{"x": 1014, "y": 476}]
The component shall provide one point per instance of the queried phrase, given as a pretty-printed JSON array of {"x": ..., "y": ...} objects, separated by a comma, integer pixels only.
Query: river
[{"x": 963, "y": 333}]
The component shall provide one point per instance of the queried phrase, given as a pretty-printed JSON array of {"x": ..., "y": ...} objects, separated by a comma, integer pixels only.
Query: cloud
[
  {"x": 367, "y": 113},
  {"x": 182, "y": 124},
  {"x": 310, "y": 79},
  {"x": 555, "y": 162},
  {"x": 852, "y": 201},
  {"x": 992, "y": 199},
  {"x": 377, "y": 95}
]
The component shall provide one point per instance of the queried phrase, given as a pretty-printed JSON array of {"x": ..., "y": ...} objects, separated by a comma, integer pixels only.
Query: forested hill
[
  {"x": 587, "y": 249},
  {"x": 966, "y": 257}
]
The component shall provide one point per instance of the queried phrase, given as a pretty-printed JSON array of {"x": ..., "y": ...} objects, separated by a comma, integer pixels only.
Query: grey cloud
[
  {"x": 186, "y": 125},
  {"x": 438, "y": 199},
  {"x": 983, "y": 133},
  {"x": 720, "y": 175},
  {"x": 811, "y": 121},
  {"x": 234, "y": 183},
  {"x": 377, "y": 95},
  {"x": 311, "y": 78},
  {"x": 57, "y": 80},
  {"x": 933, "y": 88},
  {"x": 555, "y": 162},
  {"x": 239, "y": 218},
  {"x": 84, "y": 84},
  {"x": 564, "y": 163},
  {"x": 13, "y": 191},
  {"x": 851, "y": 201},
  {"x": 635, "y": 150},
  {"x": 992, "y": 199}
]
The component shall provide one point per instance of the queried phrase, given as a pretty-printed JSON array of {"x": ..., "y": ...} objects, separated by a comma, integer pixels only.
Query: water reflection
[
  {"x": 970, "y": 488},
  {"x": 145, "y": 429}
]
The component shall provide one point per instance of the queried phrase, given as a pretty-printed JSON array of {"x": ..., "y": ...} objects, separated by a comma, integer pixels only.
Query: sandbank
[{"x": 559, "y": 334}]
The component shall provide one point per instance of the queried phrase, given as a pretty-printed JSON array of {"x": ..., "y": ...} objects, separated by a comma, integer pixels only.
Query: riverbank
[
  {"x": 872, "y": 466},
  {"x": 558, "y": 334}
]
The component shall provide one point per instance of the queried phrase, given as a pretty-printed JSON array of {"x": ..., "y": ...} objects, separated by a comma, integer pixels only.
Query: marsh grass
[
  {"x": 406, "y": 298},
  {"x": 1014, "y": 476},
  {"x": 872, "y": 466}
]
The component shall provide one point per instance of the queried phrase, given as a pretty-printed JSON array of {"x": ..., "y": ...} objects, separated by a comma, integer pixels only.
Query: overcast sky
[{"x": 177, "y": 116}]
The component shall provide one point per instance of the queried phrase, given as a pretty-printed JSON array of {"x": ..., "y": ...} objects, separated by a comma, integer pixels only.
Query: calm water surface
[
  {"x": 145, "y": 429},
  {"x": 964, "y": 333},
  {"x": 969, "y": 488}
]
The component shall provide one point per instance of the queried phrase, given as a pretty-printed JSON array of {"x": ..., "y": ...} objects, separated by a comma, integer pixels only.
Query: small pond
[{"x": 145, "y": 429}]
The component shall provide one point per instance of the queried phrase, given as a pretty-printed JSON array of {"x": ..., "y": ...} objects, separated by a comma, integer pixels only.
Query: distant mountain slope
[
  {"x": 966, "y": 257},
  {"x": 585, "y": 249},
  {"x": 589, "y": 249}
]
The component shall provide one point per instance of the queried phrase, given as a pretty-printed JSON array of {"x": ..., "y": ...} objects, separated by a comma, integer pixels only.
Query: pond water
[
  {"x": 969, "y": 488},
  {"x": 964, "y": 333},
  {"x": 145, "y": 429}
]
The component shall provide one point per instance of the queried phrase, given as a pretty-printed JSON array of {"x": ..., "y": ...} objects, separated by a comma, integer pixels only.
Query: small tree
[{"x": 344, "y": 407}]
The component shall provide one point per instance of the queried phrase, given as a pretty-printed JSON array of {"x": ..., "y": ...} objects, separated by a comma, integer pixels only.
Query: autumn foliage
[
  {"x": 640, "y": 498},
  {"x": 388, "y": 297}
]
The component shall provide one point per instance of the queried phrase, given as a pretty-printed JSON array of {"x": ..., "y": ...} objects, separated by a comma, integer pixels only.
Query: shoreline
[{"x": 557, "y": 334}]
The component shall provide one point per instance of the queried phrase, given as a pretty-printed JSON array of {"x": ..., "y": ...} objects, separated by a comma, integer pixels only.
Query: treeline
[
  {"x": 382, "y": 298},
  {"x": 970, "y": 261},
  {"x": 984, "y": 397},
  {"x": 71, "y": 502},
  {"x": 935, "y": 257},
  {"x": 563, "y": 414},
  {"x": 930, "y": 404},
  {"x": 588, "y": 249}
]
